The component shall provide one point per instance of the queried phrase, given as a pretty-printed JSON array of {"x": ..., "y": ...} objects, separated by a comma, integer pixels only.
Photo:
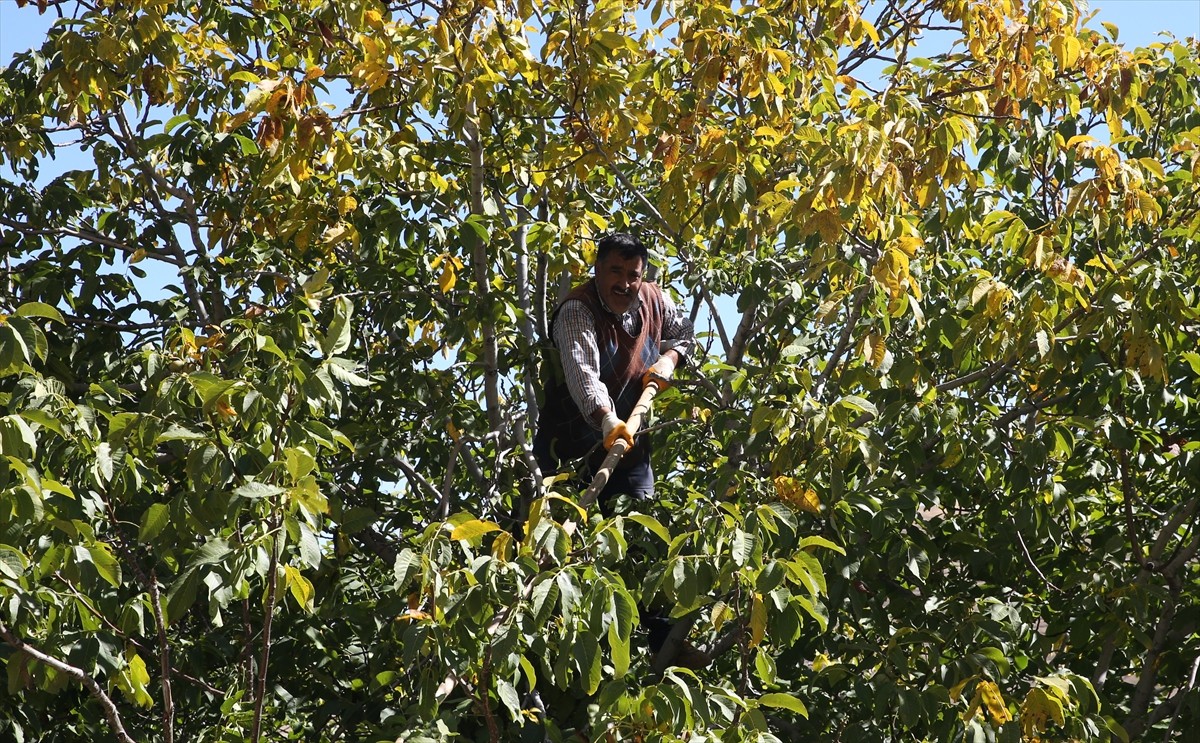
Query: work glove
[
  {"x": 660, "y": 373},
  {"x": 614, "y": 428}
]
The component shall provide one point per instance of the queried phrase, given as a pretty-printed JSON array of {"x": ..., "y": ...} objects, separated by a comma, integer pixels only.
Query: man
[{"x": 613, "y": 334}]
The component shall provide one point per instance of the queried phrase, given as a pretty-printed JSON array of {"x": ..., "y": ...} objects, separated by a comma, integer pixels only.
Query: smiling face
[{"x": 618, "y": 280}]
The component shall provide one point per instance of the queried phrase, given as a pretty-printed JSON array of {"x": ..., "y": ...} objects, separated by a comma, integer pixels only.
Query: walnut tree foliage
[{"x": 276, "y": 285}]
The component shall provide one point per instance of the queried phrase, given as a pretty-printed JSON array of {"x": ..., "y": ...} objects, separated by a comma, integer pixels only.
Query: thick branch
[
  {"x": 1142, "y": 694},
  {"x": 479, "y": 261}
]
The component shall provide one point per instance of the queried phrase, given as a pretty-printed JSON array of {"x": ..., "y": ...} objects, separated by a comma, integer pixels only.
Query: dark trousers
[{"x": 633, "y": 475}]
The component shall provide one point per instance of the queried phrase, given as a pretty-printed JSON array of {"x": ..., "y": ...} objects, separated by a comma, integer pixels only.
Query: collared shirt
[{"x": 575, "y": 337}]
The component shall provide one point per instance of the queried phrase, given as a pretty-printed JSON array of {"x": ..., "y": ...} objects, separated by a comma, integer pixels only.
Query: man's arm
[
  {"x": 575, "y": 337},
  {"x": 678, "y": 335}
]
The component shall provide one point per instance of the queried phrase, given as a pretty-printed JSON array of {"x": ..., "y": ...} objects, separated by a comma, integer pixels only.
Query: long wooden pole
[{"x": 620, "y": 447}]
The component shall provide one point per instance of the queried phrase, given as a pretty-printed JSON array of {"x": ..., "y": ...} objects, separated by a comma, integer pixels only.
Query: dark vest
[{"x": 624, "y": 359}]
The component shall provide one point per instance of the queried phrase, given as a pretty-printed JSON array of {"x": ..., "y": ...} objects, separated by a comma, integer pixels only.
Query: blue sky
[{"x": 1139, "y": 21}]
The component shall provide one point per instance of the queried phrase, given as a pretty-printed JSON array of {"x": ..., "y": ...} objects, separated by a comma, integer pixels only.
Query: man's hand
[
  {"x": 660, "y": 373},
  {"x": 614, "y": 428}
]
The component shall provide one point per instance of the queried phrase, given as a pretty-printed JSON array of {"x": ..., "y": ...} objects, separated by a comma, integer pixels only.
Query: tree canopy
[{"x": 271, "y": 342}]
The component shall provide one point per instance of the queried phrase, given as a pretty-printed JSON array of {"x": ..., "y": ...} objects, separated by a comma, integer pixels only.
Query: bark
[
  {"x": 260, "y": 691},
  {"x": 479, "y": 263}
]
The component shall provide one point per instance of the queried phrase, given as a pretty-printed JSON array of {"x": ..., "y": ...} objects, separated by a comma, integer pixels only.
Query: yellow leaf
[
  {"x": 793, "y": 493},
  {"x": 133, "y": 680},
  {"x": 891, "y": 270},
  {"x": 909, "y": 244},
  {"x": 771, "y": 135},
  {"x": 957, "y": 689},
  {"x": 1066, "y": 50},
  {"x": 821, "y": 662},
  {"x": 758, "y": 621},
  {"x": 502, "y": 547},
  {"x": 829, "y": 224},
  {"x": 347, "y": 204},
  {"x": 225, "y": 410},
  {"x": 301, "y": 588},
  {"x": 414, "y": 615},
  {"x": 866, "y": 27},
  {"x": 1153, "y": 166},
  {"x": 1079, "y": 139},
  {"x": 994, "y": 702},
  {"x": 472, "y": 529},
  {"x": 448, "y": 278},
  {"x": 878, "y": 349}
]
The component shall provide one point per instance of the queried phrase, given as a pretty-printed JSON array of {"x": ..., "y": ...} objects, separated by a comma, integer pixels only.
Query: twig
[
  {"x": 164, "y": 658},
  {"x": 260, "y": 693},
  {"x": 1033, "y": 564},
  {"x": 1191, "y": 684}
]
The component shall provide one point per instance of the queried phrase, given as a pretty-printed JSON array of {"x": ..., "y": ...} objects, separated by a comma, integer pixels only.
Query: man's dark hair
[{"x": 624, "y": 244}]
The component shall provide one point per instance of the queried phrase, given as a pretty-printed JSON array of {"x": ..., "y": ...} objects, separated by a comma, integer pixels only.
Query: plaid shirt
[{"x": 575, "y": 337}]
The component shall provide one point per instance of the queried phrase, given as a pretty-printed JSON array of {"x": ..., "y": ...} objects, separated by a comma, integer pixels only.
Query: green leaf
[
  {"x": 17, "y": 439},
  {"x": 408, "y": 564},
  {"x": 310, "y": 548},
  {"x": 247, "y": 145},
  {"x": 153, "y": 521},
  {"x": 175, "y": 121},
  {"x": 543, "y": 600},
  {"x": 210, "y": 387},
  {"x": 43, "y": 419},
  {"x": 764, "y": 666},
  {"x": 783, "y": 701},
  {"x": 106, "y": 565},
  {"x": 743, "y": 547},
  {"x": 587, "y": 651},
  {"x": 40, "y": 309},
  {"x": 344, "y": 371},
  {"x": 569, "y": 593},
  {"x": 356, "y": 519},
  {"x": 815, "y": 541},
  {"x": 12, "y": 562},
  {"x": 858, "y": 403},
  {"x": 257, "y": 490},
  {"x": 1193, "y": 360},
  {"x": 211, "y": 552},
  {"x": 508, "y": 695},
  {"x": 181, "y": 595},
  {"x": 176, "y": 432},
  {"x": 619, "y": 647},
  {"x": 652, "y": 524},
  {"x": 337, "y": 337}
]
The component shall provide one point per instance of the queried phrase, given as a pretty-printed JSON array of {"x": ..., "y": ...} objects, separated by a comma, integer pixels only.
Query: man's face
[{"x": 618, "y": 280}]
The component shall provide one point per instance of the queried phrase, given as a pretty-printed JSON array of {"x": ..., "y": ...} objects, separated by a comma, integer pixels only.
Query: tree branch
[
  {"x": 835, "y": 358},
  {"x": 93, "y": 687}
]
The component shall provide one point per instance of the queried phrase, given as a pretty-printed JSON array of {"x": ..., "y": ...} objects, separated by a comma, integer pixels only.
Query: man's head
[{"x": 621, "y": 262}]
